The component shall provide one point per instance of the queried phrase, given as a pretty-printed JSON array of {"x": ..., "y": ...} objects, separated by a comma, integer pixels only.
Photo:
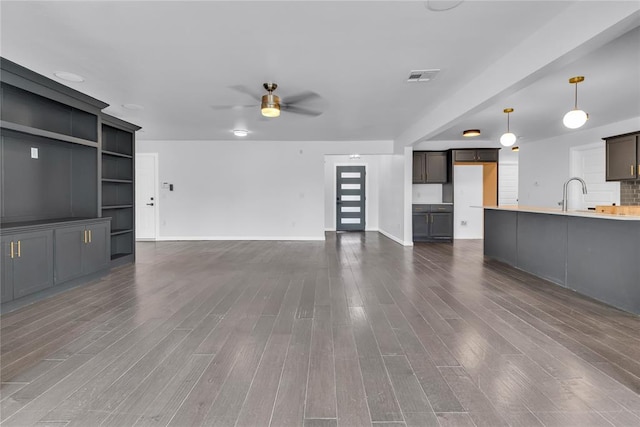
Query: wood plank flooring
[{"x": 353, "y": 331}]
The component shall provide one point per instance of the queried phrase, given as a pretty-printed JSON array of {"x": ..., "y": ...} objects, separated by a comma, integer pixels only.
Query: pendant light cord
[{"x": 575, "y": 107}]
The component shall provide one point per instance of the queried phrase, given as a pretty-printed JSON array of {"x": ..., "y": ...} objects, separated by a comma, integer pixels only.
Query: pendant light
[
  {"x": 575, "y": 118},
  {"x": 508, "y": 139}
]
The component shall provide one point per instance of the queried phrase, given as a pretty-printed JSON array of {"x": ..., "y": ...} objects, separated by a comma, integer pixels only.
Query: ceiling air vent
[{"x": 422, "y": 75}]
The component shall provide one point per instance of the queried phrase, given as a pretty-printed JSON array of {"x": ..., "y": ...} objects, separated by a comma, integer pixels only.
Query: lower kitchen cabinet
[
  {"x": 432, "y": 223},
  {"x": 81, "y": 250},
  {"x": 27, "y": 263},
  {"x": 37, "y": 256}
]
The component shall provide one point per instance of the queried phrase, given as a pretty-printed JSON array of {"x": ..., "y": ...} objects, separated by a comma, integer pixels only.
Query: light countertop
[{"x": 552, "y": 211}]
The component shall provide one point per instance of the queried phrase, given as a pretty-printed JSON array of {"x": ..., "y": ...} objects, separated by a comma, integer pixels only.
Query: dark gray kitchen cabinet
[
  {"x": 418, "y": 167},
  {"x": 441, "y": 226},
  {"x": 430, "y": 167},
  {"x": 623, "y": 157},
  {"x": 81, "y": 250},
  {"x": 27, "y": 265},
  {"x": 476, "y": 155},
  {"x": 432, "y": 223}
]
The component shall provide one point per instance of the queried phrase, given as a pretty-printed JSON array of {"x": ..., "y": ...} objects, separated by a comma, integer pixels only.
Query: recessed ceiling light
[
  {"x": 470, "y": 133},
  {"x": 134, "y": 107},
  {"x": 70, "y": 77},
  {"x": 354, "y": 156},
  {"x": 240, "y": 132},
  {"x": 442, "y": 5}
]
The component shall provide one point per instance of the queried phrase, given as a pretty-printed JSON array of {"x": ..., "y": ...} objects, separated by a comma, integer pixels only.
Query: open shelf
[
  {"x": 113, "y": 153},
  {"x": 115, "y": 232},
  {"x": 120, "y": 181},
  {"x": 117, "y": 207}
]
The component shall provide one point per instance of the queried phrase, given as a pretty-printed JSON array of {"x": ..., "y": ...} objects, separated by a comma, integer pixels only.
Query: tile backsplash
[{"x": 630, "y": 193}]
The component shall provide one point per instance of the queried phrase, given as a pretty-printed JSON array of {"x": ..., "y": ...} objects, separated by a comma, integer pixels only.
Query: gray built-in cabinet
[
  {"x": 476, "y": 155},
  {"x": 623, "y": 157},
  {"x": 66, "y": 185},
  {"x": 432, "y": 222},
  {"x": 430, "y": 167}
]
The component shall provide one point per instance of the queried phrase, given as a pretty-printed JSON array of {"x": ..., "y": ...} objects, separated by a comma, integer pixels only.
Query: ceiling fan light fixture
[
  {"x": 270, "y": 106},
  {"x": 470, "y": 133},
  {"x": 508, "y": 138},
  {"x": 575, "y": 118}
]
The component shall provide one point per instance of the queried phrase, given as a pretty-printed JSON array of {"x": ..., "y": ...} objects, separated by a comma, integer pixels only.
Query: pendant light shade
[
  {"x": 508, "y": 138},
  {"x": 575, "y": 118}
]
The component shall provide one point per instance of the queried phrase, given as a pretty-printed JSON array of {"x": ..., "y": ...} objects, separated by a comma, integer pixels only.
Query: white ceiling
[{"x": 178, "y": 59}]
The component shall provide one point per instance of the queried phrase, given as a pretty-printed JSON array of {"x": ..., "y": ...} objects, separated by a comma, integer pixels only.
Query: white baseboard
[
  {"x": 394, "y": 238},
  {"x": 277, "y": 238}
]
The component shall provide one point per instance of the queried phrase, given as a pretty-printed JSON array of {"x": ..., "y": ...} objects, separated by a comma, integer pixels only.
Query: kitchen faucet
[{"x": 564, "y": 190}]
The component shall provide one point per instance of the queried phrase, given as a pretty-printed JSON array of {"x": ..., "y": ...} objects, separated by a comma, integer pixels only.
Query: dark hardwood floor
[{"x": 354, "y": 331}]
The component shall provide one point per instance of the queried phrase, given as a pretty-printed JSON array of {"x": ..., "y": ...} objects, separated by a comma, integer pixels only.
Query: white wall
[
  {"x": 392, "y": 198},
  {"x": 467, "y": 197},
  {"x": 246, "y": 189},
  {"x": 544, "y": 165},
  {"x": 372, "y": 164}
]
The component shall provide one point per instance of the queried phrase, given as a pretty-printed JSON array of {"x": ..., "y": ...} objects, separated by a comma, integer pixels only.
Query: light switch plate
[{"x": 34, "y": 153}]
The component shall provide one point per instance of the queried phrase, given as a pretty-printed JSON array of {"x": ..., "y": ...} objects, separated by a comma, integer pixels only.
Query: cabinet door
[
  {"x": 420, "y": 226},
  {"x": 488, "y": 155},
  {"x": 33, "y": 266},
  {"x": 69, "y": 245},
  {"x": 418, "y": 168},
  {"x": 7, "y": 270},
  {"x": 436, "y": 167},
  {"x": 97, "y": 253},
  {"x": 622, "y": 158},
  {"x": 464, "y": 155},
  {"x": 441, "y": 225}
]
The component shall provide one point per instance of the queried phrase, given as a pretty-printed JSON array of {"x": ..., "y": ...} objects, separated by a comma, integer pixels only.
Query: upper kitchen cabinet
[
  {"x": 430, "y": 167},
  {"x": 473, "y": 155},
  {"x": 623, "y": 159}
]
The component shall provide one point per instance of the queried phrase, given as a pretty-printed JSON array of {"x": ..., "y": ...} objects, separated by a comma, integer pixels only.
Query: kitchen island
[{"x": 595, "y": 254}]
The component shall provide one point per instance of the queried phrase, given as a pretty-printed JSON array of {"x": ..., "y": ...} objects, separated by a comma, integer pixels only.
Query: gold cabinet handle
[
  {"x": 12, "y": 255},
  {"x": 89, "y": 236},
  {"x": 84, "y": 239},
  {"x": 632, "y": 171},
  {"x": 19, "y": 254}
]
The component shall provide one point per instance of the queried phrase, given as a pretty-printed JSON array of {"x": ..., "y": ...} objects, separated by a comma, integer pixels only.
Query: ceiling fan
[{"x": 270, "y": 103}]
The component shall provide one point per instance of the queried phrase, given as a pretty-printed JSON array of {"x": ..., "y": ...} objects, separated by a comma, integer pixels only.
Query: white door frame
[{"x": 156, "y": 198}]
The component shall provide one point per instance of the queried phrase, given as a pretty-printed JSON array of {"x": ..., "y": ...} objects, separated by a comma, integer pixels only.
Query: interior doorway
[
  {"x": 350, "y": 198},
  {"x": 146, "y": 196}
]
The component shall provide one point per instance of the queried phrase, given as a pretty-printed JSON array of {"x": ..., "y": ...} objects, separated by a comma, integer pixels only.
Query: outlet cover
[{"x": 34, "y": 152}]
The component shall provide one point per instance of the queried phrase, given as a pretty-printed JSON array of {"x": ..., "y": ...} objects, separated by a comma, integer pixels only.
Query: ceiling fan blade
[
  {"x": 300, "y": 97},
  {"x": 246, "y": 91},
  {"x": 299, "y": 110},
  {"x": 231, "y": 107}
]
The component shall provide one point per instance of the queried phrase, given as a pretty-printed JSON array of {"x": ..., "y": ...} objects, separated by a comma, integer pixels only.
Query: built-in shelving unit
[
  {"x": 117, "y": 185},
  {"x": 66, "y": 185}
]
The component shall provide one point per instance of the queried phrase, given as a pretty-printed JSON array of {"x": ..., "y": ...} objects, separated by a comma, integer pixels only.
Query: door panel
[
  {"x": 7, "y": 270},
  {"x": 97, "y": 254},
  {"x": 621, "y": 158},
  {"x": 33, "y": 268},
  {"x": 441, "y": 225},
  {"x": 68, "y": 253},
  {"x": 146, "y": 197},
  {"x": 350, "y": 198}
]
